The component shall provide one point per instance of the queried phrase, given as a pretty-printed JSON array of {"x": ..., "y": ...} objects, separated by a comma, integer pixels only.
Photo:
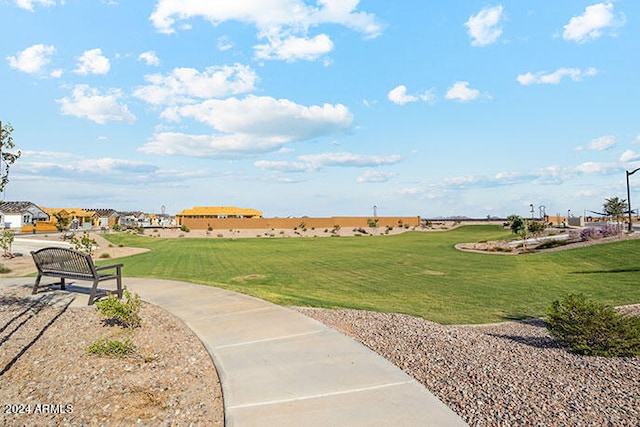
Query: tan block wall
[
  {"x": 41, "y": 227},
  {"x": 291, "y": 223}
]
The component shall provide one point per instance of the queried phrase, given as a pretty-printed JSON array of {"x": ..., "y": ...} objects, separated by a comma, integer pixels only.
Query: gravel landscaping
[{"x": 503, "y": 374}]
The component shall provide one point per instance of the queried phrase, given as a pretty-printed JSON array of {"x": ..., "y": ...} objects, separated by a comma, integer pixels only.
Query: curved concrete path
[{"x": 280, "y": 368}]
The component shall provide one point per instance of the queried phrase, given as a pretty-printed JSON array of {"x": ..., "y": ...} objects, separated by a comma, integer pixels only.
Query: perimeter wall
[{"x": 204, "y": 223}]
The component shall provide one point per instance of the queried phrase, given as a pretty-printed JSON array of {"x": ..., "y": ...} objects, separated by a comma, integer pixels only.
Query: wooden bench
[{"x": 69, "y": 264}]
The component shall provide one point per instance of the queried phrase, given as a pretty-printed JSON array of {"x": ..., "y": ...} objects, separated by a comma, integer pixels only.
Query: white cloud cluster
[
  {"x": 460, "y": 91},
  {"x": 551, "y": 175},
  {"x": 93, "y": 62},
  {"x": 398, "y": 95},
  {"x": 599, "y": 144},
  {"x": 34, "y": 59},
  {"x": 376, "y": 176},
  {"x": 283, "y": 24},
  {"x": 484, "y": 27},
  {"x": 150, "y": 58},
  {"x": 89, "y": 103},
  {"x": 592, "y": 24},
  {"x": 28, "y": 4},
  {"x": 542, "y": 77},
  {"x": 314, "y": 162},
  {"x": 629, "y": 156},
  {"x": 248, "y": 126},
  {"x": 183, "y": 85}
]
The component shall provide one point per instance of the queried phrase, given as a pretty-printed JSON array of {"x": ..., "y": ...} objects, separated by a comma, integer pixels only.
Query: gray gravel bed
[{"x": 505, "y": 374}]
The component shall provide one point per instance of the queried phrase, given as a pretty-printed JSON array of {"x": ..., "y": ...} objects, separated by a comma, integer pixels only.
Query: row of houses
[{"x": 27, "y": 216}]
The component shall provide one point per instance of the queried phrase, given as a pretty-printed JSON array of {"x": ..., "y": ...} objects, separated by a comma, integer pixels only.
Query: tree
[
  {"x": 536, "y": 227},
  {"x": 7, "y": 157},
  {"x": 62, "y": 221},
  {"x": 615, "y": 208}
]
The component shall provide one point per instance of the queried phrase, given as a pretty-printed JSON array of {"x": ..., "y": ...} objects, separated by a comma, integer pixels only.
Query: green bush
[
  {"x": 112, "y": 348},
  {"x": 590, "y": 328},
  {"x": 125, "y": 311}
]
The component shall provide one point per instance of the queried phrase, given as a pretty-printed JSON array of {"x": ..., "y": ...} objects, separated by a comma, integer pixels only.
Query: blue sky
[{"x": 327, "y": 107}]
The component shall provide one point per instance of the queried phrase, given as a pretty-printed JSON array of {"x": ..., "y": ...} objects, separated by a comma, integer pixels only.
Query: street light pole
[{"x": 629, "y": 196}]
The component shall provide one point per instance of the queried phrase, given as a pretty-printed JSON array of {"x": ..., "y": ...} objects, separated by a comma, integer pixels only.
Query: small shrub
[
  {"x": 4, "y": 270},
  {"x": 124, "y": 311},
  {"x": 610, "y": 230},
  {"x": 112, "y": 348},
  {"x": 116, "y": 227},
  {"x": 184, "y": 228},
  {"x": 590, "y": 233},
  {"x": 83, "y": 244},
  {"x": 105, "y": 255},
  {"x": 590, "y": 328}
]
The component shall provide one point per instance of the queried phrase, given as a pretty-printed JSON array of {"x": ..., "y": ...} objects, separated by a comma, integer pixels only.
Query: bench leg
[
  {"x": 94, "y": 289},
  {"x": 37, "y": 284},
  {"x": 62, "y": 284},
  {"x": 119, "y": 282}
]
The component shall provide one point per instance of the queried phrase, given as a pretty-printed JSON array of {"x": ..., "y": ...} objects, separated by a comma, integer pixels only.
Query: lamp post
[{"x": 629, "y": 196}]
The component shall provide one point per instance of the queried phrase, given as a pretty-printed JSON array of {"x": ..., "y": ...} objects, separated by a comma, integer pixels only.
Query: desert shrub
[
  {"x": 112, "y": 348},
  {"x": 184, "y": 228},
  {"x": 610, "y": 230},
  {"x": 84, "y": 243},
  {"x": 590, "y": 328},
  {"x": 124, "y": 311},
  {"x": 104, "y": 255},
  {"x": 590, "y": 233},
  {"x": 116, "y": 227},
  {"x": 4, "y": 270}
]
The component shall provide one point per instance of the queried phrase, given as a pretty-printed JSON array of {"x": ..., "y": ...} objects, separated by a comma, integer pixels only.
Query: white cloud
[
  {"x": 217, "y": 145},
  {"x": 596, "y": 168},
  {"x": 28, "y": 4},
  {"x": 591, "y": 24},
  {"x": 460, "y": 91},
  {"x": 376, "y": 176},
  {"x": 93, "y": 62},
  {"x": 398, "y": 95},
  {"x": 554, "y": 78},
  {"x": 484, "y": 28},
  {"x": 629, "y": 156},
  {"x": 313, "y": 162},
  {"x": 293, "y": 48},
  {"x": 249, "y": 126},
  {"x": 89, "y": 103},
  {"x": 284, "y": 24},
  {"x": 224, "y": 44},
  {"x": 32, "y": 60},
  {"x": 186, "y": 84},
  {"x": 150, "y": 58},
  {"x": 349, "y": 159},
  {"x": 268, "y": 117},
  {"x": 600, "y": 144}
]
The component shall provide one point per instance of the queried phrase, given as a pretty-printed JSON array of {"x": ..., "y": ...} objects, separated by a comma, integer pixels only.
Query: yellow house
[{"x": 78, "y": 218}]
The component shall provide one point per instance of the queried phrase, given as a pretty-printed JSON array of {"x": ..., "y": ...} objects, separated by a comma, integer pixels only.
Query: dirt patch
[{"x": 47, "y": 377}]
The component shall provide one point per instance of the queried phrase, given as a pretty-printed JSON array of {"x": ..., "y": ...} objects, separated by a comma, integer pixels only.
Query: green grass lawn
[{"x": 416, "y": 273}]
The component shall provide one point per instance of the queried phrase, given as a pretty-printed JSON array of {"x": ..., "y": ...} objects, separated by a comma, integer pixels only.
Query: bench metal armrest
[{"x": 118, "y": 266}]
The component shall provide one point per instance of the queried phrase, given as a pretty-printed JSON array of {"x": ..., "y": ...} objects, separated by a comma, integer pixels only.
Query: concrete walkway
[{"x": 280, "y": 368}]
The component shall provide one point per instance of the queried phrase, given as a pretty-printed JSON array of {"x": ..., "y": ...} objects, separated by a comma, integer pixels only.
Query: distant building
[
  {"x": 79, "y": 219},
  {"x": 15, "y": 215},
  {"x": 203, "y": 213}
]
